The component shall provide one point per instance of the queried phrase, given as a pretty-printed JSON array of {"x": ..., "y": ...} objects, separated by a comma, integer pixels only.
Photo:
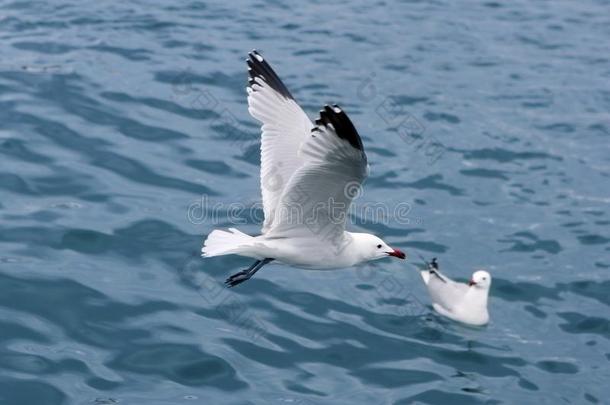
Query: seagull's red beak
[
  {"x": 397, "y": 253},
  {"x": 471, "y": 283}
]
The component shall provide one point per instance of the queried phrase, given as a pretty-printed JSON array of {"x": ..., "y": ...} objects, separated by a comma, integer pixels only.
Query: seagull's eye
[{"x": 378, "y": 246}]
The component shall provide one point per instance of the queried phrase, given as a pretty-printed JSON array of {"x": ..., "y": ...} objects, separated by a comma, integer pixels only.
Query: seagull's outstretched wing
[
  {"x": 285, "y": 127},
  {"x": 317, "y": 199},
  {"x": 443, "y": 291}
]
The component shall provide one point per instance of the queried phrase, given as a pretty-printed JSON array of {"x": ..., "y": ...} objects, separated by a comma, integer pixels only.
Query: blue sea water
[{"x": 125, "y": 138}]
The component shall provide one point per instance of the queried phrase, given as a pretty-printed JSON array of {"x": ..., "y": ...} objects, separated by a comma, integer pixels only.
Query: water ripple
[{"x": 117, "y": 118}]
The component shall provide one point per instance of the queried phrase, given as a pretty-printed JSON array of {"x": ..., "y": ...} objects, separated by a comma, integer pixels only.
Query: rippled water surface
[{"x": 125, "y": 137}]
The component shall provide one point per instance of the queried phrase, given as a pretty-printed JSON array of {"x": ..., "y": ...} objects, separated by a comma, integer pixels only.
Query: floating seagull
[
  {"x": 310, "y": 173},
  {"x": 465, "y": 303}
]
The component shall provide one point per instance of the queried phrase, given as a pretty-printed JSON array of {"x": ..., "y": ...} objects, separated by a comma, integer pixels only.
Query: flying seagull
[
  {"x": 466, "y": 303},
  {"x": 310, "y": 172}
]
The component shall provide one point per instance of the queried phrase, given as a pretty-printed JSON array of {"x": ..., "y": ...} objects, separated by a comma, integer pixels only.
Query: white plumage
[
  {"x": 309, "y": 173},
  {"x": 285, "y": 127},
  {"x": 461, "y": 302}
]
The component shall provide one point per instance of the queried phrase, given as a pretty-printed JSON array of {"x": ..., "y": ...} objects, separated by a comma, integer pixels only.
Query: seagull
[
  {"x": 466, "y": 303},
  {"x": 310, "y": 172}
]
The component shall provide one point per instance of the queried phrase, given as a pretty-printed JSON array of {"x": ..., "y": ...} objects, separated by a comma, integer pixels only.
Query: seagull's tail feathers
[{"x": 229, "y": 242}]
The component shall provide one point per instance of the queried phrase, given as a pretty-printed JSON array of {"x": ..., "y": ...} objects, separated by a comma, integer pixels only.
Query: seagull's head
[
  {"x": 372, "y": 247},
  {"x": 480, "y": 279}
]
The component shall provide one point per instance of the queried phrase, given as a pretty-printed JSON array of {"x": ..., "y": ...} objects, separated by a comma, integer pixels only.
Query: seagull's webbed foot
[
  {"x": 238, "y": 278},
  {"x": 246, "y": 274}
]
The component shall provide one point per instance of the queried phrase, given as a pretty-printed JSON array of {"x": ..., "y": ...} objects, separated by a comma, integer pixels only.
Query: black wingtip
[
  {"x": 259, "y": 68},
  {"x": 335, "y": 116}
]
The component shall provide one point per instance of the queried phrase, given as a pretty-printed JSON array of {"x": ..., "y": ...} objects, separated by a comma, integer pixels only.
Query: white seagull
[
  {"x": 309, "y": 174},
  {"x": 458, "y": 301}
]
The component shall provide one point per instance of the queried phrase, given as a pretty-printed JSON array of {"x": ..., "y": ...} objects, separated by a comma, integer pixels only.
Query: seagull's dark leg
[
  {"x": 259, "y": 266},
  {"x": 244, "y": 275},
  {"x": 240, "y": 275}
]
